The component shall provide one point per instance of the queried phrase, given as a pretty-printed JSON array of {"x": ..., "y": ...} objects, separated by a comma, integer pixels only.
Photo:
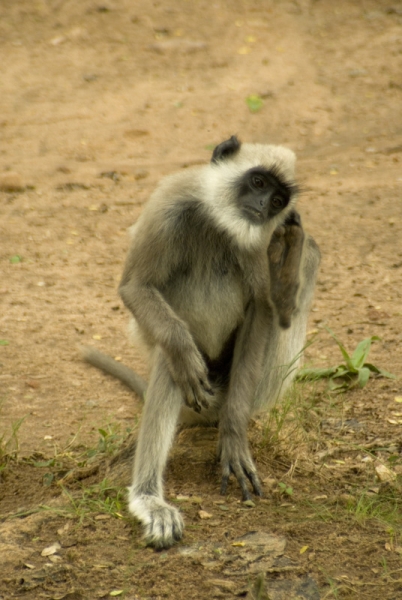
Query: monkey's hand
[
  {"x": 235, "y": 457},
  {"x": 163, "y": 525},
  {"x": 190, "y": 373},
  {"x": 285, "y": 254}
]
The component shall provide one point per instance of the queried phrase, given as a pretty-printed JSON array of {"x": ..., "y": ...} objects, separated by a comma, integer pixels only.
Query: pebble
[
  {"x": 182, "y": 46},
  {"x": 11, "y": 181}
]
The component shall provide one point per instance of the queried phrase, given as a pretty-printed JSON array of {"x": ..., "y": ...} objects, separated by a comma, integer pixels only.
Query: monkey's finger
[
  {"x": 206, "y": 386},
  {"x": 255, "y": 482},
  {"x": 195, "y": 405},
  {"x": 238, "y": 472},
  {"x": 191, "y": 400},
  {"x": 293, "y": 218},
  {"x": 224, "y": 484},
  {"x": 199, "y": 391}
]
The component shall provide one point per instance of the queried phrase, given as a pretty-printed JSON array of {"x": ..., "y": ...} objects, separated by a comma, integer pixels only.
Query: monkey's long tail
[{"x": 109, "y": 365}]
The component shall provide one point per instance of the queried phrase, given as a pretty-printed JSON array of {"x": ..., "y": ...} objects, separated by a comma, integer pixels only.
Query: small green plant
[
  {"x": 254, "y": 103},
  {"x": 354, "y": 372},
  {"x": 110, "y": 440},
  {"x": 384, "y": 508},
  {"x": 102, "y": 498},
  {"x": 259, "y": 588},
  {"x": 9, "y": 446},
  {"x": 285, "y": 489}
]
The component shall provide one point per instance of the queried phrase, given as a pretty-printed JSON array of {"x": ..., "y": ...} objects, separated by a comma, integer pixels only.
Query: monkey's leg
[
  {"x": 246, "y": 372},
  {"x": 162, "y": 523}
]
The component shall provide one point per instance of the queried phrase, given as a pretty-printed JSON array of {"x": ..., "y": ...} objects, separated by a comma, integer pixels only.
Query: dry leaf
[
  {"x": 203, "y": 514},
  {"x": 51, "y": 549}
]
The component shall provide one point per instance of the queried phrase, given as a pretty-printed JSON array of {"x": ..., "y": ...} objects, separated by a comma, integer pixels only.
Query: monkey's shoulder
[{"x": 177, "y": 211}]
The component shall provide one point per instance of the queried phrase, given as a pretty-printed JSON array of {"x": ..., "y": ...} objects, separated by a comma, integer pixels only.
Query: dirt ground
[{"x": 98, "y": 101}]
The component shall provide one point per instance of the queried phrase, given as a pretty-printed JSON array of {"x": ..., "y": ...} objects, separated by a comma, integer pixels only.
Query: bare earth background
[{"x": 98, "y": 101}]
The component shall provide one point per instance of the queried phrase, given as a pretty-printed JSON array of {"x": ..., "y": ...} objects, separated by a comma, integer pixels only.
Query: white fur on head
[{"x": 220, "y": 178}]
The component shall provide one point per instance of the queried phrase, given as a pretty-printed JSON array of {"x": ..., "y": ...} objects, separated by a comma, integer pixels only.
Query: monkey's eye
[
  {"x": 258, "y": 182},
  {"x": 278, "y": 202}
]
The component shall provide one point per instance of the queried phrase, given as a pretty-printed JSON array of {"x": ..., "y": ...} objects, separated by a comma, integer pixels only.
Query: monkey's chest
[{"x": 212, "y": 302}]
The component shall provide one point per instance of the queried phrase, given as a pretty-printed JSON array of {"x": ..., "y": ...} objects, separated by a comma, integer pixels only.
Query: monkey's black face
[{"x": 262, "y": 195}]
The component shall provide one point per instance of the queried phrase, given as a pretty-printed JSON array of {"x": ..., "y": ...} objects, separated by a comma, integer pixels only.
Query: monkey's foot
[
  {"x": 163, "y": 525},
  {"x": 236, "y": 458}
]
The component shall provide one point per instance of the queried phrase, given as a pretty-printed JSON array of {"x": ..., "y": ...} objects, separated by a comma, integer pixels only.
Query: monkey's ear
[{"x": 226, "y": 149}]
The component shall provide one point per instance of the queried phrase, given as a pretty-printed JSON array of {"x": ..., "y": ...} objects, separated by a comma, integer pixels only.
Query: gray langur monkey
[{"x": 219, "y": 279}]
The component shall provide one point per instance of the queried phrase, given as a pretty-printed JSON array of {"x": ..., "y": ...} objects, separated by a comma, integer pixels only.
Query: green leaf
[
  {"x": 4, "y": 342},
  {"x": 372, "y": 367},
  {"x": 48, "y": 479},
  {"x": 381, "y": 372},
  {"x": 313, "y": 374},
  {"x": 385, "y": 373},
  {"x": 363, "y": 376},
  {"x": 342, "y": 371},
  {"x": 335, "y": 386},
  {"x": 254, "y": 103},
  {"x": 45, "y": 463},
  {"x": 362, "y": 351},
  {"x": 15, "y": 259},
  {"x": 103, "y": 433},
  {"x": 342, "y": 348},
  {"x": 116, "y": 593}
]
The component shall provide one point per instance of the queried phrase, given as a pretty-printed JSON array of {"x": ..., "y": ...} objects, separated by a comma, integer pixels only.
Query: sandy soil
[{"x": 99, "y": 100}]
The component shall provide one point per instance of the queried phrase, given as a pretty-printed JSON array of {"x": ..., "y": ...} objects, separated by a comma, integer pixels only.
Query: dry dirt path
[{"x": 98, "y": 101}]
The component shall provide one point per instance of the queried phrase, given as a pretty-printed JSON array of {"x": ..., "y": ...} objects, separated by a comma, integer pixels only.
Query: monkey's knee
[{"x": 162, "y": 523}]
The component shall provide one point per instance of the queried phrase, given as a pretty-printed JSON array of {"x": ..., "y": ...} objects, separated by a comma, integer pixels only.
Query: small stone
[
  {"x": 181, "y": 46},
  {"x": 195, "y": 499},
  {"x": 140, "y": 174},
  {"x": 55, "y": 558},
  {"x": 11, "y": 181},
  {"x": 249, "y": 503},
  {"x": 384, "y": 474},
  {"x": 50, "y": 550}
]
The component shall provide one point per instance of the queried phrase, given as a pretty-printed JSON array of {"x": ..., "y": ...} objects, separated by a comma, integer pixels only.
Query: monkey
[{"x": 219, "y": 280}]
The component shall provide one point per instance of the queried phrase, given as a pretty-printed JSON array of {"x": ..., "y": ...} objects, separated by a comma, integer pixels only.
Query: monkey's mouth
[{"x": 252, "y": 214}]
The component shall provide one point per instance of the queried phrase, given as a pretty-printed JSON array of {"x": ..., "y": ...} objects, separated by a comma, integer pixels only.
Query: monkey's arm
[
  {"x": 144, "y": 276},
  {"x": 234, "y": 450},
  {"x": 285, "y": 254}
]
